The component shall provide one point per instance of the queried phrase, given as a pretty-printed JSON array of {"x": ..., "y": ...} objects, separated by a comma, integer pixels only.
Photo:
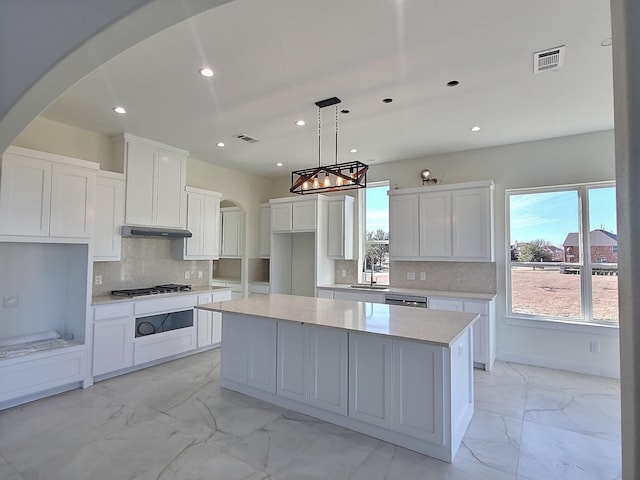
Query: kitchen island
[{"x": 400, "y": 374}]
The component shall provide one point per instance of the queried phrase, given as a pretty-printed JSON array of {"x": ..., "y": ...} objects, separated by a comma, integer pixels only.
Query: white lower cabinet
[
  {"x": 209, "y": 324},
  {"x": 249, "y": 351},
  {"x": 32, "y": 374},
  {"x": 328, "y": 369},
  {"x": 418, "y": 406},
  {"x": 370, "y": 379},
  {"x": 312, "y": 366},
  {"x": 113, "y": 334},
  {"x": 483, "y": 330}
]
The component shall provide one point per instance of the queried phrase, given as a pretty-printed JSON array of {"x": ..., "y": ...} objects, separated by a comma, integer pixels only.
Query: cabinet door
[
  {"x": 261, "y": 348},
  {"x": 403, "y": 226},
  {"x": 109, "y": 219},
  {"x": 112, "y": 345},
  {"x": 204, "y": 323},
  {"x": 324, "y": 293},
  {"x": 435, "y": 224},
  {"x": 141, "y": 173},
  {"x": 446, "y": 304},
  {"x": 216, "y": 328},
  {"x": 480, "y": 330},
  {"x": 194, "y": 246},
  {"x": 281, "y": 217},
  {"x": 472, "y": 224},
  {"x": 234, "y": 355},
  {"x": 72, "y": 202},
  {"x": 25, "y": 194},
  {"x": 304, "y": 215},
  {"x": 328, "y": 369},
  {"x": 265, "y": 232},
  {"x": 292, "y": 366},
  {"x": 370, "y": 379},
  {"x": 230, "y": 246},
  {"x": 418, "y": 377},
  {"x": 210, "y": 225},
  {"x": 170, "y": 196}
]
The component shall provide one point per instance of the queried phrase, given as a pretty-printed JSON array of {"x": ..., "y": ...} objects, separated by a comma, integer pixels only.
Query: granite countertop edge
[{"x": 107, "y": 299}]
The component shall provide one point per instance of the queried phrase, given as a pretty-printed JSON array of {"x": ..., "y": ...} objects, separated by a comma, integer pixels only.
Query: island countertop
[{"x": 430, "y": 326}]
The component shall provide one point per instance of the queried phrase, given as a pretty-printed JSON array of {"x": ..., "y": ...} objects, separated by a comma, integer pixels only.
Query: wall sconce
[{"x": 426, "y": 177}]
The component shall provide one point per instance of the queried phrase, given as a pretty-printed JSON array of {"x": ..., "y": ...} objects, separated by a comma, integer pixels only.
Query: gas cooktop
[{"x": 137, "y": 292}]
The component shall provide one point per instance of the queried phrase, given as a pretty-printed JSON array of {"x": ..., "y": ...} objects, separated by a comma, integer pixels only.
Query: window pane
[
  {"x": 604, "y": 253},
  {"x": 544, "y": 227},
  {"x": 377, "y": 230},
  {"x": 547, "y": 291}
]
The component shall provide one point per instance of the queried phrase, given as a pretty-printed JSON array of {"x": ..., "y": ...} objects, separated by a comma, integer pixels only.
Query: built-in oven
[{"x": 406, "y": 300}]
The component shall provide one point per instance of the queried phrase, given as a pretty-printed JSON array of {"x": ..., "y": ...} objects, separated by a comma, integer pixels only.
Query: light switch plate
[
  {"x": 423, "y": 275},
  {"x": 10, "y": 301}
]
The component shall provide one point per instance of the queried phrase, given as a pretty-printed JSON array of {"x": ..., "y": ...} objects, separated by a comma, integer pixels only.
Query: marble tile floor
[{"x": 173, "y": 421}]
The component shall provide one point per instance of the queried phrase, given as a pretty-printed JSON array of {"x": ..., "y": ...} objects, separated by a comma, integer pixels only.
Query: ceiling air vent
[
  {"x": 548, "y": 59},
  {"x": 246, "y": 138}
]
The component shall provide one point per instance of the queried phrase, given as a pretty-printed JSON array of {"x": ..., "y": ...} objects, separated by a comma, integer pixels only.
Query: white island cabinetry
[{"x": 402, "y": 375}]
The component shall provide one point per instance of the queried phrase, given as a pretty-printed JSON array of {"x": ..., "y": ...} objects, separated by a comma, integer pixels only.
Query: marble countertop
[
  {"x": 429, "y": 326},
  {"x": 105, "y": 299},
  {"x": 411, "y": 291}
]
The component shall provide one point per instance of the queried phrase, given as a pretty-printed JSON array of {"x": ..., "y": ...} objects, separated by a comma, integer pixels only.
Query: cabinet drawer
[
  {"x": 172, "y": 304},
  {"x": 35, "y": 375},
  {"x": 109, "y": 312},
  {"x": 166, "y": 344},
  {"x": 221, "y": 296}
]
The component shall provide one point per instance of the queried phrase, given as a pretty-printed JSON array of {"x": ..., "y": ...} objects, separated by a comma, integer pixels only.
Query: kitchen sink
[{"x": 366, "y": 286}]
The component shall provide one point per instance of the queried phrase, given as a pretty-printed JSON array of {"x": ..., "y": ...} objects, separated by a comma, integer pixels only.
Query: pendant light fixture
[{"x": 329, "y": 178}]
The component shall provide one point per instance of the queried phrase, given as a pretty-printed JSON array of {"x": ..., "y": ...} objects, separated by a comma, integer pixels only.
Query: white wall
[{"x": 561, "y": 161}]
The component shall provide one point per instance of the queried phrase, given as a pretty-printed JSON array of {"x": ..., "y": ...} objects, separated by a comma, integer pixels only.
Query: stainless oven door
[{"x": 406, "y": 300}]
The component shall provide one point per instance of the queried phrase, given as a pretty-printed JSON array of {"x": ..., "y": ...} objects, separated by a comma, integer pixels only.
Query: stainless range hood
[{"x": 137, "y": 231}]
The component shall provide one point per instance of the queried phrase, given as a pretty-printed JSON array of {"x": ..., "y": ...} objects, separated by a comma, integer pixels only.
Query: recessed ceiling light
[
  {"x": 345, "y": 111},
  {"x": 475, "y": 129},
  {"x": 206, "y": 72},
  {"x": 607, "y": 42},
  {"x": 279, "y": 164},
  {"x": 301, "y": 123},
  {"x": 220, "y": 144},
  {"x": 120, "y": 110},
  {"x": 387, "y": 100},
  {"x": 453, "y": 83},
  {"x": 354, "y": 150}
]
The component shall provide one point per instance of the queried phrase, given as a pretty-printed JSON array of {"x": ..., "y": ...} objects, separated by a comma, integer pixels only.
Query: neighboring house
[
  {"x": 554, "y": 254},
  {"x": 604, "y": 247}
]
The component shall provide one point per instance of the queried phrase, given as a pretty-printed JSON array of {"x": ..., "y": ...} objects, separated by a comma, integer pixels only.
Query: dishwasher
[{"x": 406, "y": 300}]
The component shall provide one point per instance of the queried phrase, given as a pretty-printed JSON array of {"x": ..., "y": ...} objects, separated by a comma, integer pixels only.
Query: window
[
  {"x": 549, "y": 275},
  {"x": 376, "y": 233}
]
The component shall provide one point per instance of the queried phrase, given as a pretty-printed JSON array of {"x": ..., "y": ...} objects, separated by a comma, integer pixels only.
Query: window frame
[
  {"x": 363, "y": 228},
  {"x": 585, "y": 265}
]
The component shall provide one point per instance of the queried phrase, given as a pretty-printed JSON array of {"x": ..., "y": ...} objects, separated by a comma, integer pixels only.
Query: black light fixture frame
[{"x": 347, "y": 176}]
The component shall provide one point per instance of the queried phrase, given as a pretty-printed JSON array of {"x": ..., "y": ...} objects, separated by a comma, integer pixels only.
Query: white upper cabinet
[
  {"x": 265, "y": 231},
  {"x": 155, "y": 180},
  {"x": 340, "y": 228},
  {"x": 109, "y": 216},
  {"x": 46, "y": 195},
  {"x": 447, "y": 222},
  {"x": 293, "y": 215},
  {"x": 403, "y": 225},
  {"x": 231, "y": 238},
  {"x": 203, "y": 220}
]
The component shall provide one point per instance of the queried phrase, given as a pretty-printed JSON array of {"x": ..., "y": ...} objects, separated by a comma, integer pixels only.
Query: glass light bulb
[
  {"x": 339, "y": 181},
  {"x": 305, "y": 186},
  {"x": 327, "y": 181},
  {"x": 316, "y": 183}
]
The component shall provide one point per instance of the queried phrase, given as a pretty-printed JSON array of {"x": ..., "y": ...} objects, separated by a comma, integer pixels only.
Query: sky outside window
[{"x": 377, "y": 211}]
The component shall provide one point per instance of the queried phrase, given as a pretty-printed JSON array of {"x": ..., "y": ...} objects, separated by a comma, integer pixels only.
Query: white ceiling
[{"x": 274, "y": 59}]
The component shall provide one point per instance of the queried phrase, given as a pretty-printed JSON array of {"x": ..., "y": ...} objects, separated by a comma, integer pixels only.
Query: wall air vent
[
  {"x": 547, "y": 60},
  {"x": 246, "y": 138}
]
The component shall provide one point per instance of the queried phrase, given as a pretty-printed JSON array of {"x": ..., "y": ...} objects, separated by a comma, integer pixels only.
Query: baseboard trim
[{"x": 558, "y": 364}]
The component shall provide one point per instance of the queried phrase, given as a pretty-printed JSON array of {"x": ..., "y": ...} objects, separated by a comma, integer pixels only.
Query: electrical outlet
[
  {"x": 423, "y": 276},
  {"x": 411, "y": 275},
  {"x": 187, "y": 275},
  {"x": 344, "y": 273},
  {"x": 98, "y": 280},
  {"x": 10, "y": 301},
  {"x": 199, "y": 273},
  {"x": 594, "y": 347}
]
